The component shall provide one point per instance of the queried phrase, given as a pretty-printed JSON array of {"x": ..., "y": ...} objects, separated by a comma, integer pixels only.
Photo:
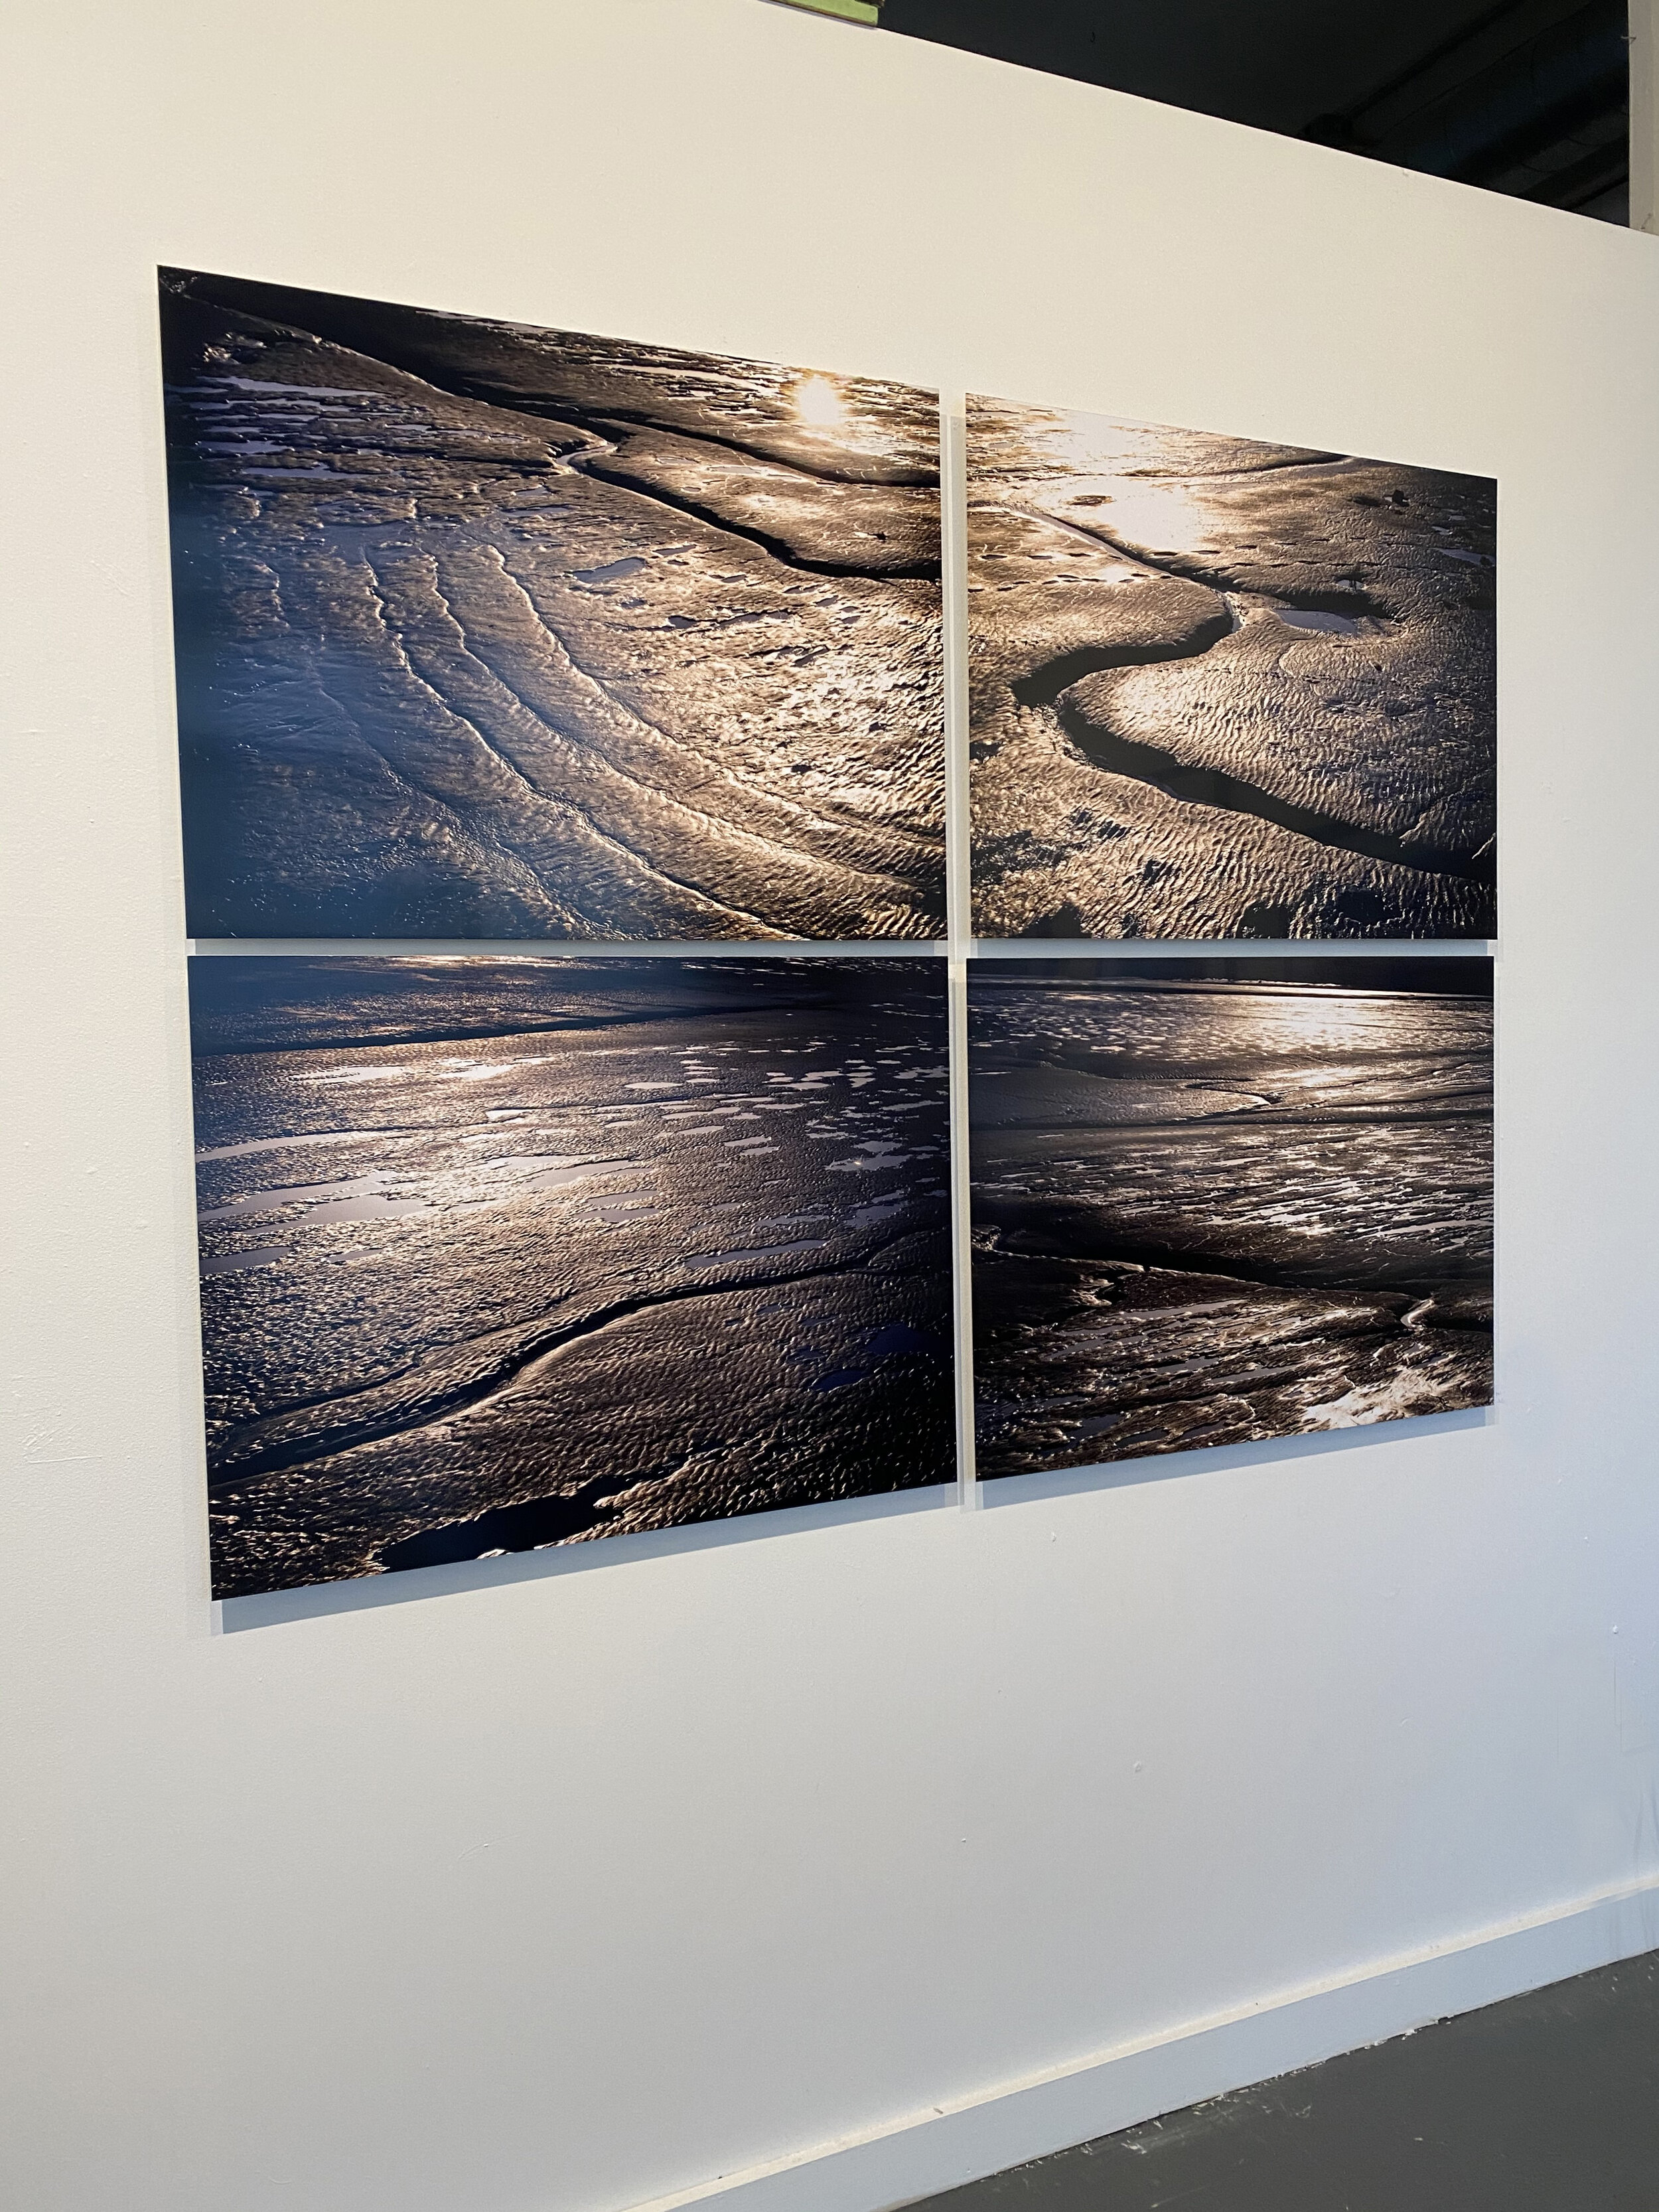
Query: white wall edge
[{"x": 1027, "y": 2117}]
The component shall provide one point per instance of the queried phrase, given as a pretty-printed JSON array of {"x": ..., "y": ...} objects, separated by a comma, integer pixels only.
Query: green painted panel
[{"x": 855, "y": 11}]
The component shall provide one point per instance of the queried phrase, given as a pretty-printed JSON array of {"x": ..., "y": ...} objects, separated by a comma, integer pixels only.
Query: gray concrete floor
[{"x": 1548, "y": 2103}]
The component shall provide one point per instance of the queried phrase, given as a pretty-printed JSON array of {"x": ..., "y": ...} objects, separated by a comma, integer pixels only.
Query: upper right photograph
[{"x": 1226, "y": 689}]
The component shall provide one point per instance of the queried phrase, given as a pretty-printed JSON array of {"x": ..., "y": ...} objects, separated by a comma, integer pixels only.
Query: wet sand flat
[
  {"x": 1225, "y": 690},
  {"x": 501, "y": 1254},
  {"x": 1216, "y": 1203},
  {"x": 495, "y": 632}
]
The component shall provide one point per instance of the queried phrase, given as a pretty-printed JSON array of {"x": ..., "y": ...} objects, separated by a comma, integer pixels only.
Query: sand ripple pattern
[
  {"x": 1224, "y": 690},
  {"x": 1220, "y": 1210},
  {"x": 488, "y": 632},
  {"x": 501, "y": 1254}
]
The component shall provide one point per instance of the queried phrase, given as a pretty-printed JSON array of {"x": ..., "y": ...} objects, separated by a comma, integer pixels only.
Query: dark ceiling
[{"x": 1529, "y": 97}]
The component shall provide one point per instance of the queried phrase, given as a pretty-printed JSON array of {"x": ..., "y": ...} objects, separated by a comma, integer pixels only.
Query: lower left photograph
[{"x": 499, "y": 1253}]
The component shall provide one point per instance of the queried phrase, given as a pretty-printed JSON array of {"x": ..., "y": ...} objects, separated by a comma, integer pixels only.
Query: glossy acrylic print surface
[
  {"x": 499, "y": 1253},
  {"x": 1225, "y": 690},
  {"x": 1221, "y": 1200},
  {"x": 490, "y": 631}
]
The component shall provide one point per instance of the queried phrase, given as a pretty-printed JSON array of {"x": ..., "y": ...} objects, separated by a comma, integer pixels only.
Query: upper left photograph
[{"x": 490, "y": 631}]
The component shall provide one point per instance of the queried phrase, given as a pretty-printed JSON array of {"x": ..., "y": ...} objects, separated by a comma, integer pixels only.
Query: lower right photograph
[{"x": 1224, "y": 1201}]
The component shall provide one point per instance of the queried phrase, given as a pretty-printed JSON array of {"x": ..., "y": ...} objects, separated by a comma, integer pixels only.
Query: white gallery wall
[{"x": 941, "y": 1836}]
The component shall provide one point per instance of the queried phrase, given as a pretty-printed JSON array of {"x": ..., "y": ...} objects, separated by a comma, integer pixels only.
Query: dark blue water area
[{"x": 503, "y": 1252}]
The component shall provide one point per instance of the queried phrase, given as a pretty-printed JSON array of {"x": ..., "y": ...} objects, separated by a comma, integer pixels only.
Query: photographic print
[
  {"x": 1225, "y": 690},
  {"x": 490, "y": 631},
  {"x": 499, "y": 1253},
  {"x": 1217, "y": 1201}
]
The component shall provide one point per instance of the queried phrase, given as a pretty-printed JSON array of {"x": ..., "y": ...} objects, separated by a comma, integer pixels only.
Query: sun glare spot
[{"x": 819, "y": 402}]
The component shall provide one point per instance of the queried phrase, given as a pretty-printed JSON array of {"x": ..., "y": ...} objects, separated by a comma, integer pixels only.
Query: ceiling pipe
[
  {"x": 1600, "y": 171},
  {"x": 1541, "y": 92},
  {"x": 1340, "y": 129}
]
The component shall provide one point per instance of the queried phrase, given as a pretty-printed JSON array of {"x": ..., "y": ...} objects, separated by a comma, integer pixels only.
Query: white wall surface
[{"x": 558, "y": 1887}]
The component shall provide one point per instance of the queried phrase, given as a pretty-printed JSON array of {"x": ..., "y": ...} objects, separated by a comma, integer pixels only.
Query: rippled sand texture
[
  {"x": 501, "y": 1254},
  {"x": 490, "y": 631},
  {"x": 1224, "y": 690},
  {"x": 1209, "y": 1212}
]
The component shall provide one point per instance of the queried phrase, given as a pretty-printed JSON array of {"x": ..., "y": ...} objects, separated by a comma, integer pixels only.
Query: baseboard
[{"x": 914, "y": 2156}]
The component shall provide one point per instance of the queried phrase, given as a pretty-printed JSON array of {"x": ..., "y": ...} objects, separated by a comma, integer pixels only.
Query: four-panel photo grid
[{"x": 608, "y": 1116}]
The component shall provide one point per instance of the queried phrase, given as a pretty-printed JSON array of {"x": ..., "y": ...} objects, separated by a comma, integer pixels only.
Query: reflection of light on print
[
  {"x": 1158, "y": 518},
  {"x": 1364, "y": 1020},
  {"x": 819, "y": 403},
  {"x": 1115, "y": 455},
  {"x": 355, "y": 1198},
  {"x": 359, "y": 1075},
  {"x": 1299, "y": 1020},
  {"x": 1319, "y": 1017}
]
